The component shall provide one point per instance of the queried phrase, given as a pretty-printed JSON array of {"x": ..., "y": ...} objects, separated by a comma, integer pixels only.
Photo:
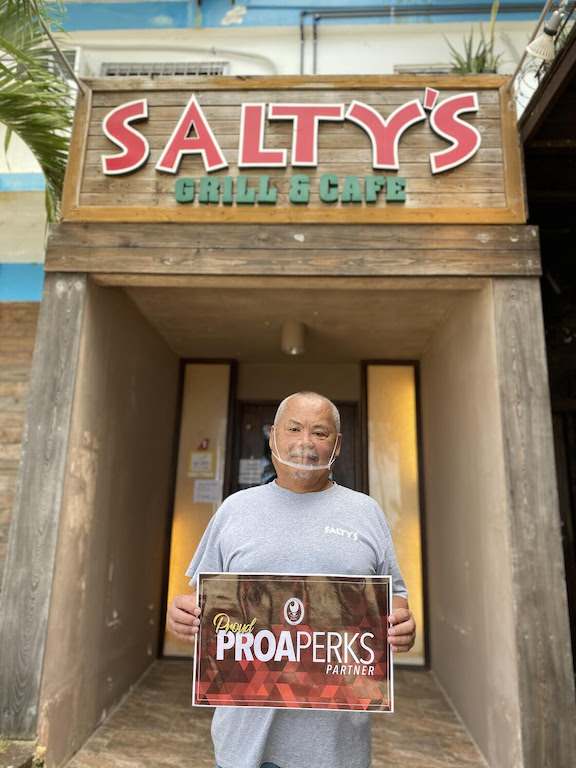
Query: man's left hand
[{"x": 401, "y": 630}]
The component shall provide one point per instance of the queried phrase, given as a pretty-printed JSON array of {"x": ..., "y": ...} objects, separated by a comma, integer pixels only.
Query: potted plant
[{"x": 479, "y": 58}]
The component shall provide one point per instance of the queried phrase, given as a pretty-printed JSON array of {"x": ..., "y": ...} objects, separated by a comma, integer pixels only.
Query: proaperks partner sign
[
  {"x": 314, "y": 642},
  {"x": 356, "y": 150}
]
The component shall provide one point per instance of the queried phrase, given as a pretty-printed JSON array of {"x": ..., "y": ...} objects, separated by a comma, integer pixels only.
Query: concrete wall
[
  {"x": 106, "y": 601},
  {"x": 471, "y": 627},
  {"x": 356, "y": 49}
]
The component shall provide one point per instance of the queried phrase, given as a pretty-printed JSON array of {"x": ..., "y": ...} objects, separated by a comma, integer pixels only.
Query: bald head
[{"x": 311, "y": 396}]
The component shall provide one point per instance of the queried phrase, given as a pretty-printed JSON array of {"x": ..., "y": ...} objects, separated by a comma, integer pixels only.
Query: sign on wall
[
  {"x": 311, "y": 642},
  {"x": 389, "y": 149}
]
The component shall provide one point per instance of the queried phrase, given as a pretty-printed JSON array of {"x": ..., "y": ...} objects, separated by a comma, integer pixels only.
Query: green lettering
[
  {"x": 351, "y": 191},
  {"x": 300, "y": 189},
  {"x": 209, "y": 187},
  {"x": 395, "y": 189},
  {"x": 266, "y": 194},
  {"x": 373, "y": 185},
  {"x": 184, "y": 190},
  {"x": 244, "y": 195},
  {"x": 227, "y": 190},
  {"x": 328, "y": 188}
]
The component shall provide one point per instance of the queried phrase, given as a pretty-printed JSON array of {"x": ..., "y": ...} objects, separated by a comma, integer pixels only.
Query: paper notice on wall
[
  {"x": 208, "y": 492},
  {"x": 250, "y": 472},
  {"x": 201, "y": 464}
]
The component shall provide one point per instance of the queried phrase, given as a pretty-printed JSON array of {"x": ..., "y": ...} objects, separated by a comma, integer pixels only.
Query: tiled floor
[{"x": 155, "y": 727}]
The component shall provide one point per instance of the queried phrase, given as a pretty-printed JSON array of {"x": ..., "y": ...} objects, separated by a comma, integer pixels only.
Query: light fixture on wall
[
  {"x": 543, "y": 46},
  {"x": 293, "y": 333}
]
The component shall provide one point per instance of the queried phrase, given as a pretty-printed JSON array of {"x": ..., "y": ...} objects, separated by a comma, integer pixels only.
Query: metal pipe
[
  {"x": 315, "y": 45},
  {"x": 399, "y": 11},
  {"x": 302, "y": 42}
]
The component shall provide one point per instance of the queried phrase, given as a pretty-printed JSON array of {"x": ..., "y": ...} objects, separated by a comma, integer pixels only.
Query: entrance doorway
[
  {"x": 224, "y": 447},
  {"x": 117, "y": 485}
]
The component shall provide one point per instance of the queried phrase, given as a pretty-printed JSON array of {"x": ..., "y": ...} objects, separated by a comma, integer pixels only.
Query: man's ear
[
  {"x": 339, "y": 444},
  {"x": 271, "y": 438}
]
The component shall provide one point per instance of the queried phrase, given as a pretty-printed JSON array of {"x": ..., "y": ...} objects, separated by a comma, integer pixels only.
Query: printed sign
[
  {"x": 201, "y": 464},
  {"x": 279, "y": 640}
]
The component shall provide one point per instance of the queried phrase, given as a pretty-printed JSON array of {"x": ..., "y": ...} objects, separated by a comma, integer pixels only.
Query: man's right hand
[{"x": 184, "y": 617}]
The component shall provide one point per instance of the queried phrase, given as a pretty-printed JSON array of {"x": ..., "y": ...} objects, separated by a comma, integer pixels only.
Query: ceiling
[{"x": 341, "y": 325}]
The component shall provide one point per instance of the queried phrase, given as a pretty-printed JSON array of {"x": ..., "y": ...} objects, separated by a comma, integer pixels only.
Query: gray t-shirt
[{"x": 269, "y": 529}]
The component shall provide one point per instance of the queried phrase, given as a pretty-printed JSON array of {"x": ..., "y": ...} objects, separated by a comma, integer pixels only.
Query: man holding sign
[{"x": 288, "y": 526}]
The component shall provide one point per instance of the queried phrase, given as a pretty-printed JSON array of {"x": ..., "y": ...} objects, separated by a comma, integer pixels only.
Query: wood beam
[
  {"x": 25, "y": 599},
  {"x": 292, "y": 249},
  {"x": 545, "y": 673}
]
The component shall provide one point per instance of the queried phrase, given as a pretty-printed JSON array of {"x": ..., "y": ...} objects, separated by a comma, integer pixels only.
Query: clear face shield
[{"x": 310, "y": 454}]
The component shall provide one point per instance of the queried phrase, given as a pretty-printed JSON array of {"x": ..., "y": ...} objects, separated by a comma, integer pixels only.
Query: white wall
[{"x": 371, "y": 49}]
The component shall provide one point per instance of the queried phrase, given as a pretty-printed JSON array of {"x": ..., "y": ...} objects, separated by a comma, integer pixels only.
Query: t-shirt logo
[
  {"x": 293, "y": 610},
  {"x": 353, "y": 535}
]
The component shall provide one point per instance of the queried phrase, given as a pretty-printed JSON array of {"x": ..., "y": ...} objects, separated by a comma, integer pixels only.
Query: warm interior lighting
[
  {"x": 293, "y": 337},
  {"x": 393, "y": 476}
]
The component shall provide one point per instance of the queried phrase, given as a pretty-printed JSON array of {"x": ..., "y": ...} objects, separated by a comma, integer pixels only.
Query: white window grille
[{"x": 164, "y": 68}]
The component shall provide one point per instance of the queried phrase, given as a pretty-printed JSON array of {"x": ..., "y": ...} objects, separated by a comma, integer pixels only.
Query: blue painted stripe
[
  {"x": 172, "y": 14},
  {"x": 181, "y": 14},
  {"x": 21, "y": 282},
  {"x": 22, "y": 182}
]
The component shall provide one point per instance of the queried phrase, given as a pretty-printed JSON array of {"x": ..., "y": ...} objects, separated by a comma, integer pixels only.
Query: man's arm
[
  {"x": 402, "y": 627},
  {"x": 184, "y": 616}
]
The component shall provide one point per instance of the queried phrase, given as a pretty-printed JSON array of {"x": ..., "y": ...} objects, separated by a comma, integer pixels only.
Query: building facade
[{"x": 206, "y": 213}]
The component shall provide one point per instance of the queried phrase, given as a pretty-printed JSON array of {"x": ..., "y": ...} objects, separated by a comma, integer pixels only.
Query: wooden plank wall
[
  {"x": 25, "y": 598},
  {"x": 18, "y": 321},
  {"x": 486, "y": 188},
  {"x": 343, "y": 148},
  {"x": 545, "y": 671},
  {"x": 294, "y": 249}
]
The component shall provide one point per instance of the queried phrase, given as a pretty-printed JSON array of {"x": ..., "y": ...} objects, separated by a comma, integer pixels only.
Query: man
[{"x": 283, "y": 527}]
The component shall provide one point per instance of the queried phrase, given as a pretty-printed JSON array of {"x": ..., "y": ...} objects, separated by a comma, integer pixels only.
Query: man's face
[{"x": 305, "y": 434}]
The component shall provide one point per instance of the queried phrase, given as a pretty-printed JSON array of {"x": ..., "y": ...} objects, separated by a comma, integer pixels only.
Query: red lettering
[
  {"x": 134, "y": 146},
  {"x": 430, "y": 98},
  {"x": 180, "y": 143},
  {"x": 385, "y": 134},
  {"x": 464, "y": 137},
  {"x": 306, "y": 118},
  {"x": 252, "y": 152}
]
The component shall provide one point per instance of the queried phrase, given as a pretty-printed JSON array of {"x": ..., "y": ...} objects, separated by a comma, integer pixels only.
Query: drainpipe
[{"x": 399, "y": 11}]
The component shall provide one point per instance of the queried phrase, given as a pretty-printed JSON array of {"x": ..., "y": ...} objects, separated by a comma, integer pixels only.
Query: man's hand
[
  {"x": 402, "y": 632},
  {"x": 184, "y": 617}
]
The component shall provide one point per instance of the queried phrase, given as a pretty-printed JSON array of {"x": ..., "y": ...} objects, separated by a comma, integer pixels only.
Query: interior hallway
[{"x": 155, "y": 727}]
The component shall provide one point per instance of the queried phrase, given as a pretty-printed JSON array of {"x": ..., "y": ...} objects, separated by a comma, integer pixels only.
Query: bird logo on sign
[{"x": 294, "y": 610}]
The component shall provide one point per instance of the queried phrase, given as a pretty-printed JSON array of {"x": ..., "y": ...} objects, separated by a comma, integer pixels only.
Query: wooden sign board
[{"x": 263, "y": 150}]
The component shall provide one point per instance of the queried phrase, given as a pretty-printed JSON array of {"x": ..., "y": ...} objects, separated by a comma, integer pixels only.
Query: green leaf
[{"x": 35, "y": 100}]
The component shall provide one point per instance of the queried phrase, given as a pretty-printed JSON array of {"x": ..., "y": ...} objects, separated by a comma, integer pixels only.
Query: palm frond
[{"x": 35, "y": 101}]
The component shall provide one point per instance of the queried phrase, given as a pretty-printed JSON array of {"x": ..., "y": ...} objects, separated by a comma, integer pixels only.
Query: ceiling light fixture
[
  {"x": 293, "y": 334},
  {"x": 543, "y": 46}
]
